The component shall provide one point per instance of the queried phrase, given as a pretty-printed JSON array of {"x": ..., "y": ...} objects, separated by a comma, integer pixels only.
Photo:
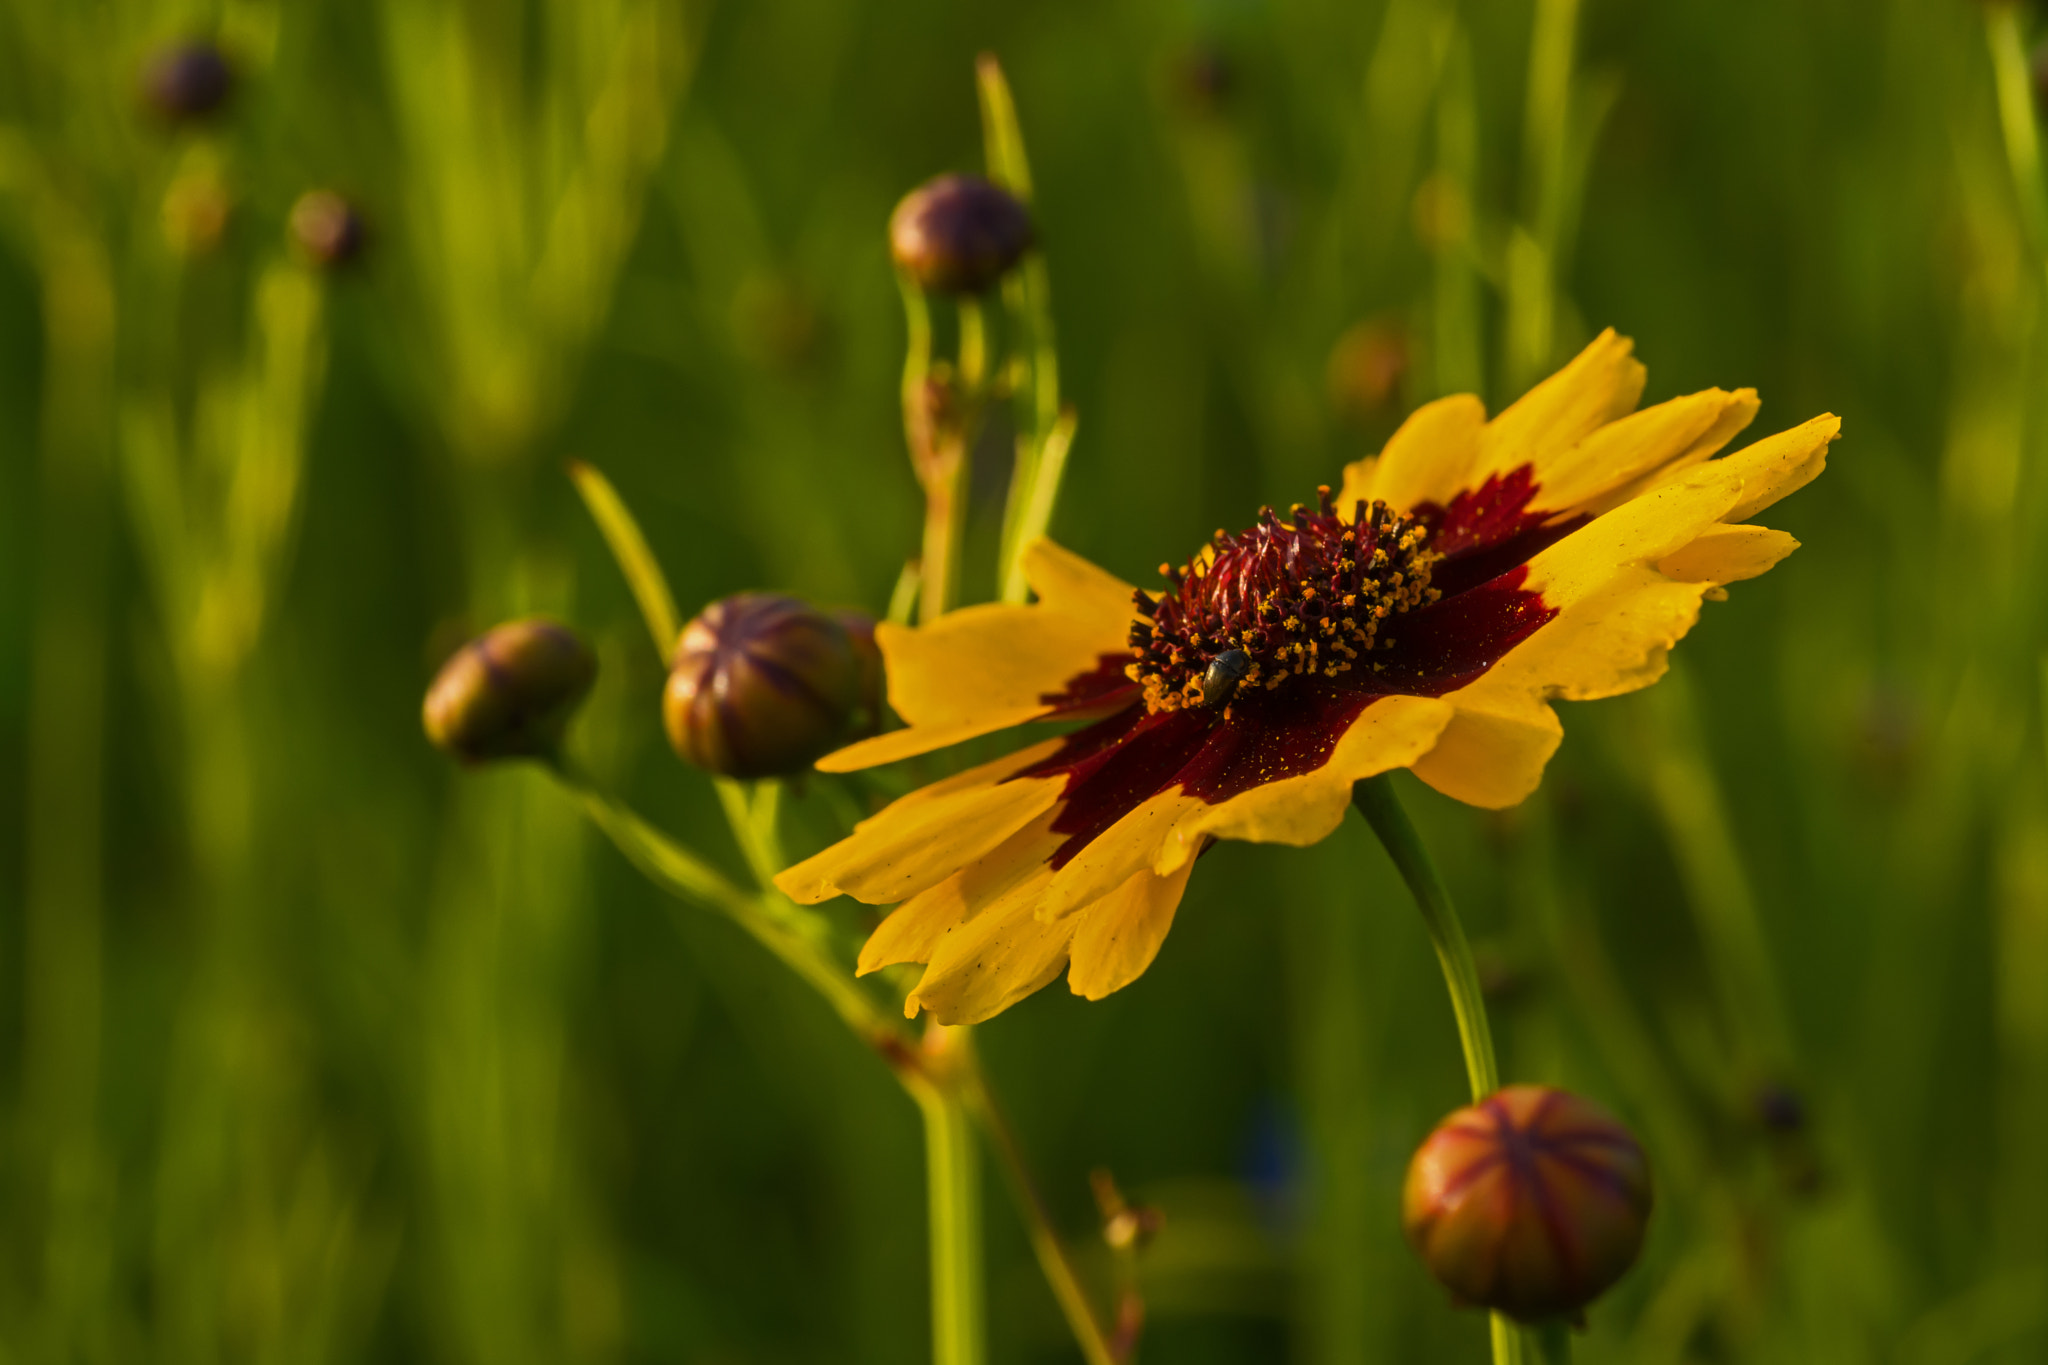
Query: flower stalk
[
  {"x": 959, "y": 1319},
  {"x": 1381, "y": 806},
  {"x": 1377, "y": 802}
]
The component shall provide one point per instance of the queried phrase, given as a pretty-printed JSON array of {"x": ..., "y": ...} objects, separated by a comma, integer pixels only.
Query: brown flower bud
[
  {"x": 959, "y": 234},
  {"x": 187, "y": 81},
  {"x": 1531, "y": 1202},
  {"x": 1366, "y": 368},
  {"x": 510, "y": 692},
  {"x": 327, "y": 228},
  {"x": 762, "y": 685}
]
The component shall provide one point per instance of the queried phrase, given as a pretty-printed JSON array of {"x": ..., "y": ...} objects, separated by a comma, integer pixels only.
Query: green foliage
[{"x": 314, "y": 1050}]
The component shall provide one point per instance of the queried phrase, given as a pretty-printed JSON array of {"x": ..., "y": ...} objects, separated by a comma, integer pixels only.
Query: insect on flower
[{"x": 1425, "y": 616}]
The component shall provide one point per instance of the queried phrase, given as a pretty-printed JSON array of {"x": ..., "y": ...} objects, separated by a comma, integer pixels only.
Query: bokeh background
[{"x": 315, "y": 1049}]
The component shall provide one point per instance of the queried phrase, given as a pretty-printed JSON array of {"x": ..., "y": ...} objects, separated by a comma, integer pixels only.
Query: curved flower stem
[
  {"x": 950, "y": 1089},
  {"x": 1045, "y": 1240},
  {"x": 789, "y": 937},
  {"x": 1381, "y": 807}
]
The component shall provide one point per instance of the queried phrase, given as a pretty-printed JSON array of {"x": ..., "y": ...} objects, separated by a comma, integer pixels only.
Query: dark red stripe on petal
[
  {"x": 1105, "y": 684},
  {"x": 1116, "y": 765},
  {"x": 1442, "y": 647},
  {"x": 1267, "y": 734},
  {"x": 1482, "y": 516},
  {"x": 1486, "y": 531}
]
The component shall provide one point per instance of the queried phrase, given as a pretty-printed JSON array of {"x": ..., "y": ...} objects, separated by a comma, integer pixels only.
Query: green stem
[
  {"x": 973, "y": 345},
  {"x": 1377, "y": 802},
  {"x": 683, "y": 874},
  {"x": 2015, "y": 89},
  {"x": 1045, "y": 1240},
  {"x": 959, "y": 1332},
  {"x": 959, "y": 1328},
  {"x": 1553, "y": 1343}
]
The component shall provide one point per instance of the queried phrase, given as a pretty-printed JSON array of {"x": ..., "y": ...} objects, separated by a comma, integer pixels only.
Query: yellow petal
[
  {"x": 985, "y": 668},
  {"x": 982, "y": 967},
  {"x": 913, "y": 740},
  {"x": 1116, "y": 938},
  {"x": 1070, "y": 585},
  {"x": 1727, "y": 554},
  {"x": 1683, "y": 431},
  {"x": 1677, "y": 509},
  {"x": 1493, "y": 758},
  {"x": 1620, "y": 610},
  {"x": 1393, "y": 732},
  {"x": 1164, "y": 833},
  {"x": 1600, "y": 385},
  {"x": 1427, "y": 460},
  {"x": 910, "y": 931},
  {"x": 1113, "y": 857},
  {"x": 914, "y": 929},
  {"x": 927, "y": 836}
]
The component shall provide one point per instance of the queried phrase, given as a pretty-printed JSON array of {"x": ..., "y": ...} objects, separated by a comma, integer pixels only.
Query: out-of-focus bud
[
  {"x": 1779, "y": 1108},
  {"x": 1442, "y": 213},
  {"x": 860, "y": 633},
  {"x": 1531, "y": 1202},
  {"x": 196, "y": 210},
  {"x": 775, "y": 322},
  {"x": 1205, "y": 78},
  {"x": 510, "y": 692},
  {"x": 1126, "y": 1227},
  {"x": 187, "y": 81},
  {"x": 1366, "y": 368},
  {"x": 762, "y": 685},
  {"x": 327, "y": 228},
  {"x": 959, "y": 234}
]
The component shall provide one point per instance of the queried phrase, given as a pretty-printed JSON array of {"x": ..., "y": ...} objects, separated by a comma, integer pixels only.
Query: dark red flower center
[{"x": 1311, "y": 596}]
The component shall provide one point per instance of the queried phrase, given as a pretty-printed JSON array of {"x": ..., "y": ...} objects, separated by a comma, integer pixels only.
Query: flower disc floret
[{"x": 1306, "y": 597}]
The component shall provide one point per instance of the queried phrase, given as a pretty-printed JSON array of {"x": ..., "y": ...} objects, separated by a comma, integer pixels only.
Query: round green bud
[
  {"x": 762, "y": 686},
  {"x": 1531, "y": 1202},
  {"x": 510, "y": 692},
  {"x": 959, "y": 234}
]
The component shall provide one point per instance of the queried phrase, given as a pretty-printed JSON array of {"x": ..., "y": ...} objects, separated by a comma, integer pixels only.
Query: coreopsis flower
[{"x": 1425, "y": 616}]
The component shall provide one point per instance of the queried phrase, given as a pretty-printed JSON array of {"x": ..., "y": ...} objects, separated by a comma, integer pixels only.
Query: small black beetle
[{"x": 1226, "y": 671}]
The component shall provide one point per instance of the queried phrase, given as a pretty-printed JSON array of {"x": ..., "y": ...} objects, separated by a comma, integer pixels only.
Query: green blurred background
[{"x": 313, "y": 1049}]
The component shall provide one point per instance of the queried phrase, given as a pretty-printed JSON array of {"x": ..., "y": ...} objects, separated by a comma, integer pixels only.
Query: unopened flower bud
[
  {"x": 1531, "y": 1202},
  {"x": 510, "y": 692},
  {"x": 196, "y": 211},
  {"x": 187, "y": 81},
  {"x": 959, "y": 234},
  {"x": 327, "y": 228},
  {"x": 1779, "y": 1108},
  {"x": 1366, "y": 368},
  {"x": 762, "y": 685}
]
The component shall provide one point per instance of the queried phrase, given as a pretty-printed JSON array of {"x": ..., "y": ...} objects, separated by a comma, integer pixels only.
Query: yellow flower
[{"x": 1425, "y": 617}]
